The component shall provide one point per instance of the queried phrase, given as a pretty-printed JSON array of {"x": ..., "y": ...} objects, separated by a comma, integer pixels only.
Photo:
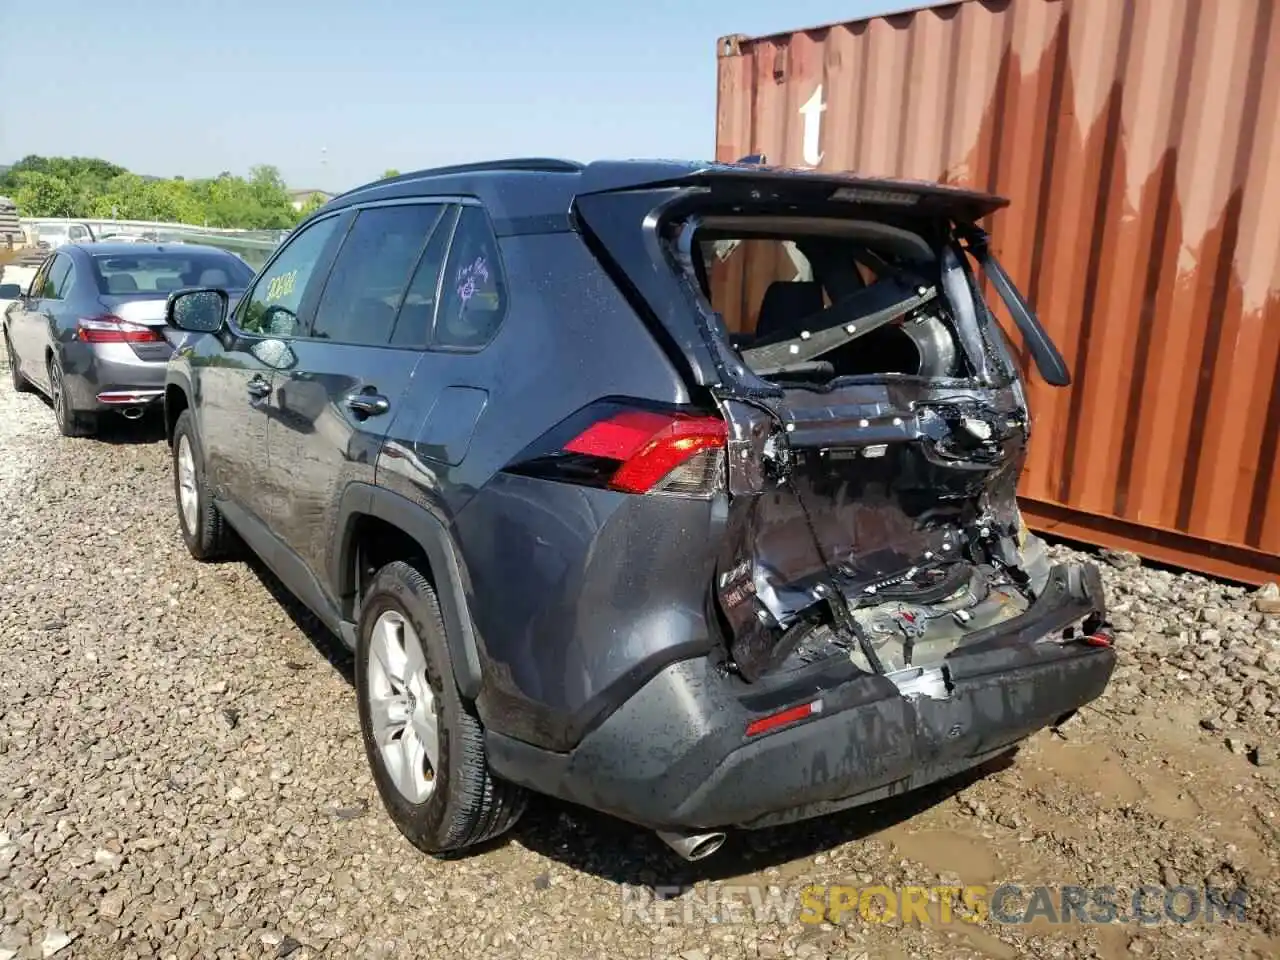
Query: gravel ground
[{"x": 181, "y": 776}]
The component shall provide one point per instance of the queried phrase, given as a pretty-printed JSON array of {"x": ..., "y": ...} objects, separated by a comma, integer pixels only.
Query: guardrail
[
  {"x": 136, "y": 227},
  {"x": 252, "y": 246}
]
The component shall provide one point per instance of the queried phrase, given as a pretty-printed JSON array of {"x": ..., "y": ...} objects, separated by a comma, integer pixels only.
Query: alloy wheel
[
  {"x": 57, "y": 393},
  {"x": 188, "y": 495},
  {"x": 402, "y": 706}
]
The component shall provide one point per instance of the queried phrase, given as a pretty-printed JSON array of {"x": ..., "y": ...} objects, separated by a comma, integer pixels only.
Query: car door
[
  {"x": 236, "y": 381},
  {"x": 31, "y": 333},
  {"x": 18, "y": 323},
  {"x": 352, "y": 368}
]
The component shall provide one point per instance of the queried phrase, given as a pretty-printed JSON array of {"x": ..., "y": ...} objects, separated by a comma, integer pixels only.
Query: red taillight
[
  {"x": 783, "y": 718},
  {"x": 657, "y": 452},
  {"x": 111, "y": 329}
]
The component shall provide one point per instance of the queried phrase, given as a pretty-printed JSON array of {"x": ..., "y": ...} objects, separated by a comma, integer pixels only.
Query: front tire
[
  {"x": 71, "y": 422},
  {"x": 204, "y": 531},
  {"x": 425, "y": 746},
  {"x": 16, "y": 379}
]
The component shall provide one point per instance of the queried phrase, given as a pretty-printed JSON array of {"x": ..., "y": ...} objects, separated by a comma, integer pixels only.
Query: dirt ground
[{"x": 181, "y": 776}]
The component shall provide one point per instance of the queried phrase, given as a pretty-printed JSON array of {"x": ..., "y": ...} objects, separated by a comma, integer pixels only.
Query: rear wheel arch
[{"x": 376, "y": 527}]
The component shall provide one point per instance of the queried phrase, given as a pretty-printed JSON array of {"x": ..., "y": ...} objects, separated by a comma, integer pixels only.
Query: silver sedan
[{"x": 89, "y": 332}]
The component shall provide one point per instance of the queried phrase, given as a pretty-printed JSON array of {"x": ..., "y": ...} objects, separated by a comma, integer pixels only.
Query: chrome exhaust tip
[
  {"x": 132, "y": 413},
  {"x": 692, "y": 846}
]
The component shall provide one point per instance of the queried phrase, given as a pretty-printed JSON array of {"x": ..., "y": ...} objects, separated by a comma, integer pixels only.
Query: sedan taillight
[{"x": 111, "y": 329}]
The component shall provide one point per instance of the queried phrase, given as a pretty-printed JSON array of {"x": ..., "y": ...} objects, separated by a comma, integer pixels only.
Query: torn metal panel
[{"x": 895, "y": 497}]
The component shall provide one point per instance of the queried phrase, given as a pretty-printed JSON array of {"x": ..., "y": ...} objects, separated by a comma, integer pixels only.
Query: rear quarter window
[{"x": 473, "y": 297}]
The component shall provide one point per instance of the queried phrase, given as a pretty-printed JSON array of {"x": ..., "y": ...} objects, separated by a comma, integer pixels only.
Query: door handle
[
  {"x": 259, "y": 388},
  {"x": 368, "y": 404}
]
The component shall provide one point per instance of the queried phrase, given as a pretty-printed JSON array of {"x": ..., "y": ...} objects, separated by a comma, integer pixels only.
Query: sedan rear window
[{"x": 121, "y": 275}]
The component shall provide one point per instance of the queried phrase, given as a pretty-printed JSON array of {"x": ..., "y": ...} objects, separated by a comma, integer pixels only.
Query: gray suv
[{"x": 682, "y": 491}]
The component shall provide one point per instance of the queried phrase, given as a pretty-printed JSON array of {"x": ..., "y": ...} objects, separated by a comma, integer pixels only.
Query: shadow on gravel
[
  {"x": 329, "y": 646},
  {"x": 119, "y": 431},
  {"x": 626, "y": 854},
  {"x": 114, "y": 429},
  {"x": 623, "y": 853}
]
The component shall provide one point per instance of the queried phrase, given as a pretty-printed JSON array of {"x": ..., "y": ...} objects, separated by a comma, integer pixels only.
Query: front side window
[
  {"x": 36, "y": 290},
  {"x": 272, "y": 308},
  {"x": 365, "y": 288},
  {"x": 473, "y": 300}
]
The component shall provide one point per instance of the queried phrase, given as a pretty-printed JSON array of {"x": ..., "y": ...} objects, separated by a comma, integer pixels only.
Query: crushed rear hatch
[{"x": 877, "y": 419}]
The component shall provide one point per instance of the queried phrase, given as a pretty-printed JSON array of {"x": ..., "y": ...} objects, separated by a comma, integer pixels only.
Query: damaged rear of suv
[
  {"x": 877, "y": 615},
  {"x": 683, "y": 492}
]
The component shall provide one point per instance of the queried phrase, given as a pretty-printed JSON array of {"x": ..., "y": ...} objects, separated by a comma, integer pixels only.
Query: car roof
[
  {"x": 538, "y": 187},
  {"x": 106, "y": 248}
]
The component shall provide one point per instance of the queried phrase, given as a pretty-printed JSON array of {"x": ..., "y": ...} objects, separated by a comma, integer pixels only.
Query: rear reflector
[
  {"x": 783, "y": 718},
  {"x": 130, "y": 397},
  {"x": 111, "y": 329}
]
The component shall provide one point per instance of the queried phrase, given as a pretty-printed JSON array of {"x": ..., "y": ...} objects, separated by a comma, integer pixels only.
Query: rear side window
[
  {"x": 473, "y": 300},
  {"x": 56, "y": 279},
  {"x": 418, "y": 311},
  {"x": 371, "y": 273},
  {"x": 68, "y": 282}
]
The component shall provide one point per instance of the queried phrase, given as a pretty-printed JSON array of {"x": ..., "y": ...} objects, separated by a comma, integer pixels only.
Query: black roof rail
[{"x": 514, "y": 165}]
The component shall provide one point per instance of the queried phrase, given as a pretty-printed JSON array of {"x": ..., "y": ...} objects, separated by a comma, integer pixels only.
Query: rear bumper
[
  {"x": 111, "y": 377},
  {"x": 676, "y": 754}
]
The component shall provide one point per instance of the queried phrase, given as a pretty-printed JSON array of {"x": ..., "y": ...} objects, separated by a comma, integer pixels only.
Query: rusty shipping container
[{"x": 1139, "y": 143}]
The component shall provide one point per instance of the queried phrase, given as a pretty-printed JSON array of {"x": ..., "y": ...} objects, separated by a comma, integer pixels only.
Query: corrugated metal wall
[{"x": 1139, "y": 142}]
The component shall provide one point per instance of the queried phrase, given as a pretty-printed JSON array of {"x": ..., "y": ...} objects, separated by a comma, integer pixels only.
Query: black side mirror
[
  {"x": 201, "y": 310},
  {"x": 10, "y": 291}
]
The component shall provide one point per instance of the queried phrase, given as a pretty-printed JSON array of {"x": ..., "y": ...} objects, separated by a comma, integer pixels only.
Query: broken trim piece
[
  {"x": 812, "y": 344},
  {"x": 922, "y": 682},
  {"x": 1049, "y": 361}
]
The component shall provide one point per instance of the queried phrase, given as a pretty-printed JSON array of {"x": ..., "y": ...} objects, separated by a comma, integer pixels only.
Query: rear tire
[
  {"x": 71, "y": 422},
  {"x": 204, "y": 531},
  {"x": 458, "y": 802},
  {"x": 19, "y": 382}
]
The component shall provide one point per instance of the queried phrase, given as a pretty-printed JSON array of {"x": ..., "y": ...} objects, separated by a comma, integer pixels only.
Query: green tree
[
  {"x": 40, "y": 194},
  {"x": 312, "y": 204},
  {"x": 90, "y": 187},
  {"x": 389, "y": 173}
]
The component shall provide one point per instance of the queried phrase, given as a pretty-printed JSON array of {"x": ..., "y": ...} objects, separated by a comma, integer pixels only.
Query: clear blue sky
[{"x": 193, "y": 87}]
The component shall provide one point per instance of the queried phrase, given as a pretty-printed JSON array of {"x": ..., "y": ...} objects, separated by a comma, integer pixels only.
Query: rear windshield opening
[
  {"x": 818, "y": 298},
  {"x": 150, "y": 273}
]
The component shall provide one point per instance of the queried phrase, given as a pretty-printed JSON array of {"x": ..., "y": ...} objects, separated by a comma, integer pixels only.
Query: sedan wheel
[{"x": 70, "y": 423}]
